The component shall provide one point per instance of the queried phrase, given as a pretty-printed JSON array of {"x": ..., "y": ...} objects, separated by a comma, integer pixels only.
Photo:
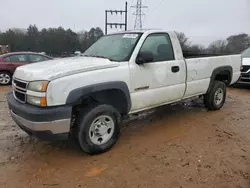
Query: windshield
[
  {"x": 117, "y": 47},
  {"x": 246, "y": 53}
]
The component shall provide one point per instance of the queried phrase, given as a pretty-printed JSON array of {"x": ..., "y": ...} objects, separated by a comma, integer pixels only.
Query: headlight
[
  {"x": 39, "y": 86},
  {"x": 38, "y": 101}
]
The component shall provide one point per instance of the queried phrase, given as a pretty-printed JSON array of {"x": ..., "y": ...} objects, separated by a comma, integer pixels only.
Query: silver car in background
[{"x": 245, "y": 72}]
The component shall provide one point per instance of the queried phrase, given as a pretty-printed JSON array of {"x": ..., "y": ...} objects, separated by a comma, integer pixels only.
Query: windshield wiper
[{"x": 98, "y": 56}]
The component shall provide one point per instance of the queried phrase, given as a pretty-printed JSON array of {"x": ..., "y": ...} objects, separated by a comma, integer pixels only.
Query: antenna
[{"x": 138, "y": 14}]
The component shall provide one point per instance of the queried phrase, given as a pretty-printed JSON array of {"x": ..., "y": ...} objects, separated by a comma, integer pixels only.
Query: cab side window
[{"x": 160, "y": 46}]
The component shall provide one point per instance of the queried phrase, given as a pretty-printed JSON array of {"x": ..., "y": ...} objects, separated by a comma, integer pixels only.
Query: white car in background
[
  {"x": 245, "y": 72},
  {"x": 77, "y": 53}
]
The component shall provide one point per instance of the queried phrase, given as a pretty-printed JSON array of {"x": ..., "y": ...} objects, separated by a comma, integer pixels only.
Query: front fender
[{"x": 79, "y": 93}]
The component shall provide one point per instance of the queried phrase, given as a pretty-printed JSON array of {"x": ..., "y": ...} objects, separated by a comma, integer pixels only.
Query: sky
[{"x": 201, "y": 20}]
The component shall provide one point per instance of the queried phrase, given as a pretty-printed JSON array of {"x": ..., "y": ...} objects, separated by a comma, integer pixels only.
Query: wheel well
[
  {"x": 6, "y": 71},
  {"x": 224, "y": 76},
  {"x": 113, "y": 97}
]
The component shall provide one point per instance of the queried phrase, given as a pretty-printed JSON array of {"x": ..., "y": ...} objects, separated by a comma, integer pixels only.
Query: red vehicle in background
[{"x": 10, "y": 61}]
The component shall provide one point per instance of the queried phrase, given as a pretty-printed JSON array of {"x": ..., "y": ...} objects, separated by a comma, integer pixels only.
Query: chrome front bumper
[
  {"x": 245, "y": 75},
  {"x": 47, "y": 131},
  {"x": 244, "y": 79},
  {"x": 55, "y": 127},
  {"x": 44, "y": 123}
]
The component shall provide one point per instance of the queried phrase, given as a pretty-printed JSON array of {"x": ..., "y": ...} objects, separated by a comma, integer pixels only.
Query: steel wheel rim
[
  {"x": 101, "y": 129},
  {"x": 4, "y": 78},
  {"x": 218, "y": 96}
]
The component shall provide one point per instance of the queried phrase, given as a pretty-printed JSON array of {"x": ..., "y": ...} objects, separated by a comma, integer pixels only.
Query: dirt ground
[{"x": 176, "y": 146}]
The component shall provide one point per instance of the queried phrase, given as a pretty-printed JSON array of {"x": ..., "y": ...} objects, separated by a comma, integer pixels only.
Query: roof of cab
[{"x": 139, "y": 31}]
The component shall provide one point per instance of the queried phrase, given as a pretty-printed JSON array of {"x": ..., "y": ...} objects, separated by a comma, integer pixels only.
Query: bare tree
[
  {"x": 238, "y": 43},
  {"x": 218, "y": 46},
  {"x": 183, "y": 40}
]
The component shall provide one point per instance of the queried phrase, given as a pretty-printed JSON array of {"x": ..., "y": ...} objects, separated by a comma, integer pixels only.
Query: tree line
[
  {"x": 60, "y": 42},
  {"x": 52, "y": 41},
  {"x": 234, "y": 44}
]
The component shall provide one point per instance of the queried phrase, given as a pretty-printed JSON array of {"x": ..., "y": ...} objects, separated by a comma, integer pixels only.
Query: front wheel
[
  {"x": 5, "y": 78},
  {"x": 216, "y": 97},
  {"x": 97, "y": 128}
]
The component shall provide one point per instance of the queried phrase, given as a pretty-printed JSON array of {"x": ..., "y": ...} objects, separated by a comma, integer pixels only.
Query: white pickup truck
[{"x": 122, "y": 73}]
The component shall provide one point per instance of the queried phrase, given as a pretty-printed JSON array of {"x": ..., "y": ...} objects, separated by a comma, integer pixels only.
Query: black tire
[
  {"x": 84, "y": 120},
  {"x": 6, "y": 74},
  {"x": 209, "y": 98}
]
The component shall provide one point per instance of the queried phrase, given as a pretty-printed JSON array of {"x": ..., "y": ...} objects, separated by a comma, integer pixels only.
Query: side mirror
[{"x": 144, "y": 57}]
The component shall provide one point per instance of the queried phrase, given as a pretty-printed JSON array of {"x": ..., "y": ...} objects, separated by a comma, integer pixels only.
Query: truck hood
[
  {"x": 245, "y": 61},
  {"x": 53, "y": 69}
]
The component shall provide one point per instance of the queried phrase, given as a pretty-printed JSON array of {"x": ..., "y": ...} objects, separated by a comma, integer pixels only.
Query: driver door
[{"x": 158, "y": 82}]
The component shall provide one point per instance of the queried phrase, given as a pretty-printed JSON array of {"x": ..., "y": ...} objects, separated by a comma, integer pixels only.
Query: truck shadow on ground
[
  {"x": 150, "y": 120},
  {"x": 241, "y": 86}
]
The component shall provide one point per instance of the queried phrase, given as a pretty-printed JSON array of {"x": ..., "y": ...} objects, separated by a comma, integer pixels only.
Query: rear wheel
[
  {"x": 5, "y": 78},
  {"x": 97, "y": 128},
  {"x": 216, "y": 97}
]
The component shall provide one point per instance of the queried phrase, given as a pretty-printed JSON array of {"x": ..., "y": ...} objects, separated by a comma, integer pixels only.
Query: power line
[
  {"x": 156, "y": 7},
  {"x": 138, "y": 14},
  {"x": 153, "y": 10}
]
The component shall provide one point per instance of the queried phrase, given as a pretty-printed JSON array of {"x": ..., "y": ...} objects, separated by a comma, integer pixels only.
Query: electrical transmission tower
[{"x": 138, "y": 14}]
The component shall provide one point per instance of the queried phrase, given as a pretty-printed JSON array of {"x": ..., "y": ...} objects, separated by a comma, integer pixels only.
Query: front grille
[
  {"x": 20, "y": 96},
  {"x": 245, "y": 68},
  {"x": 244, "y": 80},
  {"x": 19, "y": 90},
  {"x": 20, "y": 84}
]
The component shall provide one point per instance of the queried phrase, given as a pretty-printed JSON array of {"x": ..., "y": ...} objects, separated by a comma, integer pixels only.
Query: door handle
[{"x": 175, "y": 69}]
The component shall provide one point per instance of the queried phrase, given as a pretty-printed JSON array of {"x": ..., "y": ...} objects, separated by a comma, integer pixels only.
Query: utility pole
[
  {"x": 138, "y": 14},
  {"x": 111, "y": 24}
]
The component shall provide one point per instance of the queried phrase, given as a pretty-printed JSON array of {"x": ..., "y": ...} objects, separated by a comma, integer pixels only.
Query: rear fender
[{"x": 217, "y": 71}]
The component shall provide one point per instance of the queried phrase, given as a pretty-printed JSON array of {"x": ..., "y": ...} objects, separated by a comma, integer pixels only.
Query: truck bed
[
  {"x": 191, "y": 54},
  {"x": 200, "y": 69}
]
